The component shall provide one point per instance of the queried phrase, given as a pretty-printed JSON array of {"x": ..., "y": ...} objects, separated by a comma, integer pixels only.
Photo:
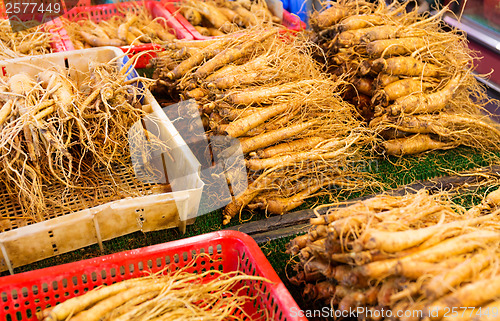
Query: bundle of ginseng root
[
  {"x": 165, "y": 295},
  {"x": 217, "y": 18},
  {"x": 135, "y": 27},
  {"x": 32, "y": 41},
  {"x": 63, "y": 138},
  {"x": 264, "y": 88},
  {"x": 410, "y": 78},
  {"x": 417, "y": 256}
]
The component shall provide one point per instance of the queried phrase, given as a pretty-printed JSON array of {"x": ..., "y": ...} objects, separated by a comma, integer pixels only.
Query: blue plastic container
[{"x": 297, "y": 7}]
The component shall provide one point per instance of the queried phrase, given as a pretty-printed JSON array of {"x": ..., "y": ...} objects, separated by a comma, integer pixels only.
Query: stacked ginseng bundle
[
  {"x": 418, "y": 253},
  {"x": 32, "y": 41},
  {"x": 217, "y": 18},
  {"x": 64, "y": 135},
  {"x": 410, "y": 78},
  {"x": 136, "y": 27},
  {"x": 263, "y": 88}
]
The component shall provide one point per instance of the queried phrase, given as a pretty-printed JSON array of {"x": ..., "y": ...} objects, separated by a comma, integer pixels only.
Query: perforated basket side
[
  {"x": 273, "y": 301},
  {"x": 22, "y": 295}
]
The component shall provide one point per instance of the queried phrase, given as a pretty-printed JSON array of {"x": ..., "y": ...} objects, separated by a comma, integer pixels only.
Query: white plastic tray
[{"x": 71, "y": 231}]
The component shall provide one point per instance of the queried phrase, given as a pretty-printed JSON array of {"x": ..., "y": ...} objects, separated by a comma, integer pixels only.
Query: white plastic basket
[{"x": 70, "y": 231}]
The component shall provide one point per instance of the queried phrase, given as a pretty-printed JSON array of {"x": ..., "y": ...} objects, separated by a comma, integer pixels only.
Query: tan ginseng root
[
  {"x": 245, "y": 79},
  {"x": 21, "y": 169},
  {"x": 75, "y": 305},
  {"x": 486, "y": 290},
  {"x": 453, "y": 129},
  {"x": 414, "y": 124},
  {"x": 212, "y": 14},
  {"x": 262, "y": 94},
  {"x": 406, "y": 66},
  {"x": 196, "y": 59},
  {"x": 278, "y": 65},
  {"x": 272, "y": 137},
  {"x": 454, "y": 246},
  {"x": 358, "y": 36},
  {"x": 234, "y": 53},
  {"x": 288, "y": 185},
  {"x": 426, "y": 103},
  {"x": 410, "y": 267},
  {"x": 424, "y": 262},
  {"x": 226, "y": 17},
  {"x": 242, "y": 125},
  {"x": 398, "y": 89},
  {"x": 32, "y": 40},
  {"x": 329, "y": 16},
  {"x": 443, "y": 283},
  {"x": 395, "y": 47},
  {"x": 227, "y": 76},
  {"x": 295, "y": 189},
  {"x": 238, "y": 203},
  {"x": 136, "y": 26},
  {"x": 232, "y": 16},
  {"x": 263, "y": 12},
  {"x": 292, "y": 146},
  {"x": 329, "y": 150},
  {"x": 359, "y": 22},
  {"x": 402, "y": 240},
  {"x": 414, "y": 145},
  {"x": 281, "y": 205}
]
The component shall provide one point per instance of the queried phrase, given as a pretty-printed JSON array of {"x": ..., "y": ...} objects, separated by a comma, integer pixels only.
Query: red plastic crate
[
  {"x": 22, "y": 295},
  {"x": 60, "y": 40},
  {"x": 106, "y": 11},
  {"x": 291, "y": 21}
]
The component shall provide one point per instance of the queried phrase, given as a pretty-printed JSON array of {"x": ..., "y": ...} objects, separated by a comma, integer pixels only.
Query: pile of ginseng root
[
  {"x": 166, "y": 295},
  {"x": 64, "y": 137},
  {"x": 263, "y": 88},
  {"x": 217, "y": 18},
  {"x": 409, "y": 77},
  {"x": 135, "y": 27},
  {"x": 32, "y": 41},
  {"x": 419, "y": 256}
]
